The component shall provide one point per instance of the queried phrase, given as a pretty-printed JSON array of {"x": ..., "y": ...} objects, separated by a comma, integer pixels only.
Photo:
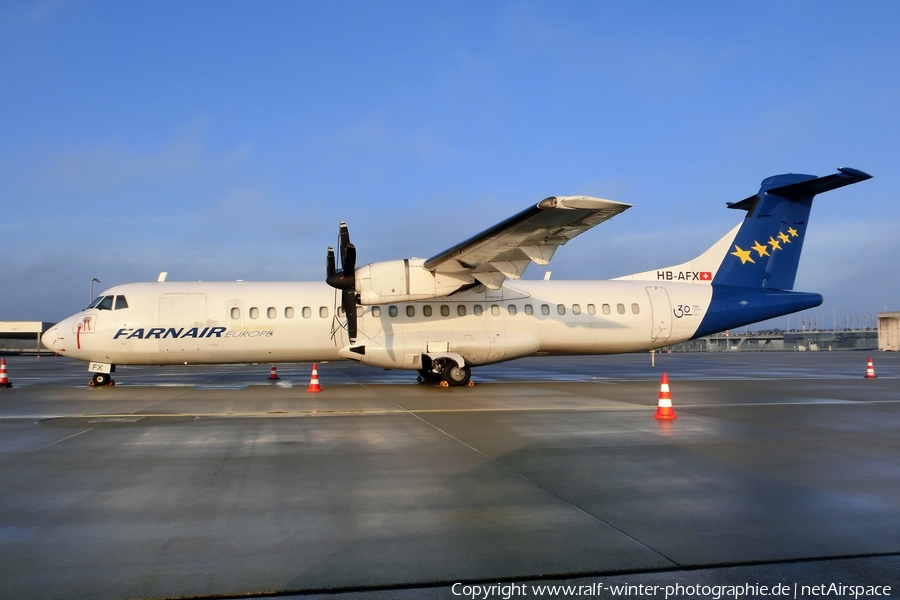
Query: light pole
[{"x": 93, "y": 281}]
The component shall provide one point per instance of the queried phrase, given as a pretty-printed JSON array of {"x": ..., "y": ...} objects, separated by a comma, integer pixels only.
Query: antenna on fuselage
[{"x": 162, "y": 276}]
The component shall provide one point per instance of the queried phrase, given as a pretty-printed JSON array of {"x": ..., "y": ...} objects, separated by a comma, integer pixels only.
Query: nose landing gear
[{"x": 101, "y": 379}]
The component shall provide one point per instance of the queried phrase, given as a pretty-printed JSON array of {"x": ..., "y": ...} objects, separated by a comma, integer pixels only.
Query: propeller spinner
[{"x": 344, "y": 278}]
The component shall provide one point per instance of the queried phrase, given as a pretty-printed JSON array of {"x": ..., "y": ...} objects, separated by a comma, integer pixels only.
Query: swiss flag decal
[{"x": 705, "y": 276}]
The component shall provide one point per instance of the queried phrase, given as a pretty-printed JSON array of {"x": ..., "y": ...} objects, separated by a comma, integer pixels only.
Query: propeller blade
[
  {"x": 330, "y": 264},
  {"x": 348, "y": 302},
  {"x": 343, "y": 278},
  {"x": 348, "y": 262},
  {"x": 343, "y": 242}
]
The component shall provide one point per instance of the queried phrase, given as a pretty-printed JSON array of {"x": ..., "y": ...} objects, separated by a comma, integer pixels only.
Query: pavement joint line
[
  {"x": 533, "y": 483},
  {"x": 12, "y": 458},
  {"x": 400, "y": 410},
  {"x": 603, "y": 381}
]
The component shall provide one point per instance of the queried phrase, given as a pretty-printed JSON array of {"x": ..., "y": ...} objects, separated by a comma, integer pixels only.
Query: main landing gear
[{"x": 446, "y": 372}]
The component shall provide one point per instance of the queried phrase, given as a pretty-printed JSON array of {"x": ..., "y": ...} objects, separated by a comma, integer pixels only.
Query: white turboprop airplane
[{"x": 454, "y": 311}]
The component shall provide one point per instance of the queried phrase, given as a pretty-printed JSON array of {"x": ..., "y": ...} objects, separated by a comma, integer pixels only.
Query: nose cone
[{"x": 53, "y": 338}]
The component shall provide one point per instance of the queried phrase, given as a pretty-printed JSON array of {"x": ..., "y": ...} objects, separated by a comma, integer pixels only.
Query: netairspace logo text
[{"x": 715, "y": 592}]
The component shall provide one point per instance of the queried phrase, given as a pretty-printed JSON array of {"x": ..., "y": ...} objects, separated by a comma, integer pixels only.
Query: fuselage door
[
  {"x": 182, "y": 317},
  {"x": 661, "y": 313}
]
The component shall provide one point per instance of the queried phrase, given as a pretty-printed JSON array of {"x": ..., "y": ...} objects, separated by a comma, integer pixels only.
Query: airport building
[
  {"x": 800, "y": 341},
  {"x": 22, "y": 337},
  {"x": 889, "y": 331}
]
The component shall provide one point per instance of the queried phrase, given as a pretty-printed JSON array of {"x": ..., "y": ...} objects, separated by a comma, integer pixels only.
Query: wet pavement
[{"x": 213, "y": 481}]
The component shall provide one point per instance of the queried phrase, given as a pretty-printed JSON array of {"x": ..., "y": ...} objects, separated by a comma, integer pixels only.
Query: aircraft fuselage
[{"x": 171, "y": 323}]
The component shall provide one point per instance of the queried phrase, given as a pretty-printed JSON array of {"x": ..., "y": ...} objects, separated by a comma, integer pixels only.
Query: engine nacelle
[{"x": 404, "y": 281}]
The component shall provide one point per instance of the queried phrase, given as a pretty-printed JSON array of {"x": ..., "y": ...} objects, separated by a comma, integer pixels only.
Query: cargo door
[
  {"x": 660, "y": 312},
  {"x": 182, "y": 317}
]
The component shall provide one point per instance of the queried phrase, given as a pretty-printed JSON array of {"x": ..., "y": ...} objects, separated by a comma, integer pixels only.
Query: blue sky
[{"x": 225, "y": 140}]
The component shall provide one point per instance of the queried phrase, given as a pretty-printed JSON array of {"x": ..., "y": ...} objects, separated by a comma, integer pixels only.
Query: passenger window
[
  {"x": 106, "y": 303},
  {"x": 495, "y": 310},
  {"x": 307, "y": 312},
  {"x": 591, "y": 309},
  {"x": 606, "y": 309},
  {"x": 323, "y": 312},
  {"x": 235, "y": 312},
  {"x": 635, "y": 308},
  {"x": 529, "y": 310},
  {"x": 254, "y": 313},
  {"x": 359, "y": 311},
  {"x": 461, "y": 310},
  {"x": 121, "y": 303},
  {"x": 392, "y": 311},
  {"x": 576, "y": 309},
  {"x": 410, "y": 311},
  {"x": 445, "y": 310},
  {"x": 620, "y": 308},
  {"x": 270, "y": 312},
  {"x": 561, "y": 309},
  {"x": 477, "y": 310},
  {"x": 426, "y": 310},
  {"x": 340, "y": 311},
  {"x": 512, "y": 310},
  {"x": 376, "y": 311},
  {"x": 545, "y": 309},
  {"x": 289, "y": 312}
]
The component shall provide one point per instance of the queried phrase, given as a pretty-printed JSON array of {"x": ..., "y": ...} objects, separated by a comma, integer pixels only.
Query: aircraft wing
[{"x": 506, "y": 249}]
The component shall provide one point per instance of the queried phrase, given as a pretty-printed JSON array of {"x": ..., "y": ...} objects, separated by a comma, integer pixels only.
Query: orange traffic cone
[
  {"x": 273, "y": 373},
  {"x": 4, "y": 382},
  {"x": 870, "y": 370},
  {"x": 314, "y": 381},
  {"x": 664, "y": 407}
]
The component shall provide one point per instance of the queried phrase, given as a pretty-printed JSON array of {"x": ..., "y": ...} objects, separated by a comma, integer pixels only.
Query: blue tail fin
[{"x": 766, "y": 250}]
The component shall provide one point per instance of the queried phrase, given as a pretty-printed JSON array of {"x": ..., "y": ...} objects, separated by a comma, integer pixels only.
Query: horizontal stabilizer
[{"x": 804, "y": 189}]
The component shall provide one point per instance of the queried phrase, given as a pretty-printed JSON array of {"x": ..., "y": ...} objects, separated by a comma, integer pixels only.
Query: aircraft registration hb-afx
[{"x": 456, "y": 310}]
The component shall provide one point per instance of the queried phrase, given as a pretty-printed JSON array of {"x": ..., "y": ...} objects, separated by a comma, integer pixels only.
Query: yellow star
[
  {"x": 784, "y": 238},
  {"x": 744, "y": 255},
  {"x": 776, "y": 245},
  {"x": 763, "y": 251},
  {"x": 793, "y": 232}
]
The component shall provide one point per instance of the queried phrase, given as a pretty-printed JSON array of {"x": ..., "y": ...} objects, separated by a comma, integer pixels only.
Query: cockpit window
[
  {"x": 121, "y": 302},
  {"x": 105, "y": 304},
  {"x": 96, "y": 301}
]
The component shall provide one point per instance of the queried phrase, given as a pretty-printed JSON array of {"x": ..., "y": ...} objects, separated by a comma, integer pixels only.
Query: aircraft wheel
[
  {"x": 428, "y": 376},
  {"x": 455, "y": 375},
  {"x": 100, "y": 379}
]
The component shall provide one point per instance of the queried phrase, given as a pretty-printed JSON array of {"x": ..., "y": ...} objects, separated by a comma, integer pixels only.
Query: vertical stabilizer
[
  {"x": 762, "y": 251},
  {"x": 766, "y": 250}
]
